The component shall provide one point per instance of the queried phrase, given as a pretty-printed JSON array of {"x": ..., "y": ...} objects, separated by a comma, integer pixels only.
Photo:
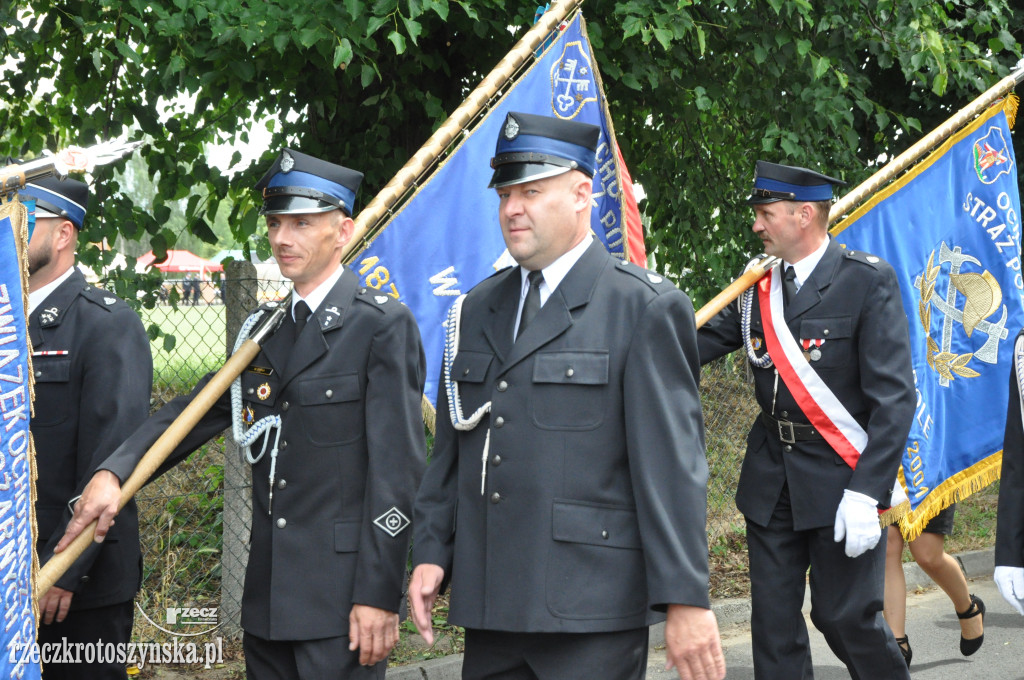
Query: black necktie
[
  {"x": 301, "y": 314},
  {"x": 789, "y": 286},
  {"x": 532, "y": 303}
]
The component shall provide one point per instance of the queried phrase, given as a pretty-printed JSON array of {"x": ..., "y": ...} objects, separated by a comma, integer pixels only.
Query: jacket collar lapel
[
  {"x": 291, "y": 359},
  {"x": 555, "y": 317},
  {"x": 820, "y": 278},
  {"x": 51, "y": 311}
]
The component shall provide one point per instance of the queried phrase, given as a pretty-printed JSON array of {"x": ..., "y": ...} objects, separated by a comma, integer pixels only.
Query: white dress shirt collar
[
  {"x": 805, "y": 266},
  {"x": 37, "y": 297},
  {"x": 316, "y": 298}
]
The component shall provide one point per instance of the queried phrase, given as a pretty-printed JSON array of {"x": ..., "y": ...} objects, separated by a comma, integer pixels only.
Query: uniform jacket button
[
  {"x": 282, "y": 523},
  {"x": 329, "y": 393},
  {"x": 283, "y": 446},
  {"x": 604, "y": 534},
  {"x": 784, "y": 414},
  {"x": 85, "y": 579},
  {"x": 285, "y": 405},
  {"x": 502, "y": 386},
  {"x": 499, "y": 421},
  {"x": 569, "y": 372},
  {"x": 281, "y": 483},
  {"x": 496, "y": 460},
  {"x": 787, "y": 448},
  {"x": 495, "y": 497}
]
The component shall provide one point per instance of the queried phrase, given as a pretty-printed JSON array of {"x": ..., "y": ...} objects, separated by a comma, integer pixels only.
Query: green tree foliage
[{"x": 698, "y": 92}]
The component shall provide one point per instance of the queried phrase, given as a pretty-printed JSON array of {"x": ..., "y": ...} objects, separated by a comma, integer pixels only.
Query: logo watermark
[{"x": 129, "y": 653}]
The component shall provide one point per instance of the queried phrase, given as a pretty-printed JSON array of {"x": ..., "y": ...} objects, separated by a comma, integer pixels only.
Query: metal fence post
[{"x": 240, "y": 288}]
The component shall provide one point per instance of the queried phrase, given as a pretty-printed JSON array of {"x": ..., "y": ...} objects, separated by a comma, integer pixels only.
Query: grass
[{"x": 198, "y": 346}]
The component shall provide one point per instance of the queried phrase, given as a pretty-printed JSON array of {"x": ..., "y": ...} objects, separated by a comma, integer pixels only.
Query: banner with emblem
[
  {"x": 446, "y": 239},
  {"x": 18, "y": 657},
  {"x": 950, "y": 227}
]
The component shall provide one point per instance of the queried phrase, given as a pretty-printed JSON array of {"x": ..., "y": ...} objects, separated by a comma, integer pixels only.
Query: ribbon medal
[{"x": 809, "y": 353}]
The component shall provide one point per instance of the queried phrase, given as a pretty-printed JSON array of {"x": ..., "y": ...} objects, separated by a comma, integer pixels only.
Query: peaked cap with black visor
[
  {"x": 299, "y": 183},
  {"x": 532, "y": 147},
  {"x": 62, "y": 198},
  {"x": 774, "y": 182}
]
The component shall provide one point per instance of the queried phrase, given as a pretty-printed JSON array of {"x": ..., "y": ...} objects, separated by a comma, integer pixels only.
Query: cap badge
[
  {"x": 511, "y": 128},
  {"x": 287, "y": 162}
]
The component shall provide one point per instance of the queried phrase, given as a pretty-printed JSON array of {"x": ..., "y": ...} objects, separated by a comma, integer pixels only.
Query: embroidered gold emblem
[{"x": 982, "y": 297}]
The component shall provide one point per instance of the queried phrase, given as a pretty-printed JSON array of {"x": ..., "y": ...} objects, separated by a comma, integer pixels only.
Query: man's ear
[
  {"x": 348, "y": 227},
  {"x": 807, "y": 213},
  {"x": 66, "y": 236},
  {"x": 582, "y": 191}
]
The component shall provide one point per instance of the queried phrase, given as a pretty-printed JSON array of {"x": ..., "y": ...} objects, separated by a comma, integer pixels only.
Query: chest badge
[
  {"x": 263, "y": 391},
  {"x": 248, "y": 417},
  {"x": 49, "y": 315}
]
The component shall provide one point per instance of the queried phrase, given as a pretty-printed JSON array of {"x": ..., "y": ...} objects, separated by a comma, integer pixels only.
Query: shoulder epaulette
[
  {"x": 102, "y": 298},
  {"x": 860, "y": 256},
  {"x": 655, "y": 281},
  {"x": 376, "y": 299}
]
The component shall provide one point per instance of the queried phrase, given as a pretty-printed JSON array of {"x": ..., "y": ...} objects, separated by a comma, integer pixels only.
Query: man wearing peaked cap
[
  {"x": 340, "y": 393},
  {"x": 827, "y": 339},
  {"x": 569, "y": 515},
  {"x": 93, "y": 378}
]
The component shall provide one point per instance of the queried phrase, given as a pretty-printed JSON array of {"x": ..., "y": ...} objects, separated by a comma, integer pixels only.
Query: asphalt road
[{"x": 934, "y": 634}]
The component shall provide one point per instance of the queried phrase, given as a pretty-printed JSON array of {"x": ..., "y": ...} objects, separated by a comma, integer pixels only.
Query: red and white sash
[{"x": 823, "y": 410}]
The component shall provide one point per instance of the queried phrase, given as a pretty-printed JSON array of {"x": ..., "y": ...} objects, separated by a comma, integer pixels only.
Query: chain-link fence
[{"x": 194, "y": 520}]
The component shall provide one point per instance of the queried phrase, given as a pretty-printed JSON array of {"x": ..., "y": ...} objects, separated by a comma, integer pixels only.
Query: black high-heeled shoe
[
  {"x": 907, "y": 652},
  {"x": 968, "y": 647}
]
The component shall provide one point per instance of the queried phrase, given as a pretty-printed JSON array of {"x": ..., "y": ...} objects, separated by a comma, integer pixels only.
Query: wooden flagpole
[
  {"x": 869, "y": 186},
  {"x": 165, "y": 445},
  {"x": 368, "y": 218}
]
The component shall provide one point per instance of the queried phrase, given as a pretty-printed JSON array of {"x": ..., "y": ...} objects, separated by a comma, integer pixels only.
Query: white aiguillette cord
[
  {"x": 246, "y": 437},
  {"x": 459, "y": 422}
]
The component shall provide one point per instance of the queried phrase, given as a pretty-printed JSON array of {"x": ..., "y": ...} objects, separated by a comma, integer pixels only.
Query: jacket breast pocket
[
  {"x": 260, "y": 386},
  {"x": 836, "y": 340},
  {"x": 591, "y": 541},
  {"x": 469, "y": 374},
  {"x": 331, "y": 408},
  {"x": 53, "y": 390},
  {"x": 570, "y": 389}
]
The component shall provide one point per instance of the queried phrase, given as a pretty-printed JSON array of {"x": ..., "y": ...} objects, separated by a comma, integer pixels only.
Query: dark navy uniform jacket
[
  {"x": 93, "y": 379},
  {"x": 851, "y": 301},
  {"x": 593, "y": 516},
  {"x": 1010, "y": 521},
  {"x": 352, "y": 451}
]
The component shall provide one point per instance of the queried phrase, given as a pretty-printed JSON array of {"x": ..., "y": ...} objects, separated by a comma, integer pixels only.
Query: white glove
[
  {"x": 1010, "y": 581},
  {"x": 857, "y": 521}
]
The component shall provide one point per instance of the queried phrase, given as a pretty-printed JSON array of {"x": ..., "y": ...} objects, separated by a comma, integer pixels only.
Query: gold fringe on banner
[
  {"x": 19, "y": 223},
  {"x": 1010, "y": 107},
  {"x": 958, "y": 487}
]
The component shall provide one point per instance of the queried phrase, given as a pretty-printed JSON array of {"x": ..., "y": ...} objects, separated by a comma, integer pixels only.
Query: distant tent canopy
[{"x": 179, "y": 261}]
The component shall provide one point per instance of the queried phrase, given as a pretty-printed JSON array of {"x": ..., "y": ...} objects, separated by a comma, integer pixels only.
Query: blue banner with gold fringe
[
  {"x": 951, "y": 229},
  {"x": 446, "y": 239},
  {"x": 18, "y": 655}
]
